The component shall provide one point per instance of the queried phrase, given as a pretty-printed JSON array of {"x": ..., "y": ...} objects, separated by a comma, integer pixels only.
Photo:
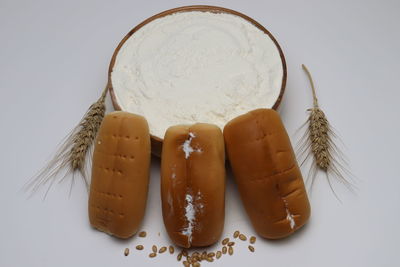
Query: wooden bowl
[{"x": 156, "y": 142}]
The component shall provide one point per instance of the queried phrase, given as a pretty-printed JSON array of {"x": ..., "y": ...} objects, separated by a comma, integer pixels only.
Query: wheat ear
[
  {"x": 71, "y": 154},
  {"x": 318, "y": 142}
]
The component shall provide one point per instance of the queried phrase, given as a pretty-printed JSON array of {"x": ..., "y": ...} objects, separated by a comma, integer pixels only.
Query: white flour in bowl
[{"x": 193, "y": 67}]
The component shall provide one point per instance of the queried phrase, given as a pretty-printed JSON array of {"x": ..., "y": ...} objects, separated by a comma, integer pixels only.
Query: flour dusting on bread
[
  {"x": 187, "y": 148},
  {"x": 289, "y": 215},
  {"x": 190, "y": 215}
]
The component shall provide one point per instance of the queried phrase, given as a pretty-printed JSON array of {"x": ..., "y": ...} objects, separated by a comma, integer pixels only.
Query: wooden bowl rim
[{"x": 203, "y": 8}]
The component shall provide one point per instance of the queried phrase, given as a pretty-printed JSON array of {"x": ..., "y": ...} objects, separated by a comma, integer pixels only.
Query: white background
[{"x": 54, "y": 59}]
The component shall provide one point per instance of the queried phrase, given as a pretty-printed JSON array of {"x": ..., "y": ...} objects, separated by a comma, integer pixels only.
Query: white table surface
[{"x": 54, "y": 58}]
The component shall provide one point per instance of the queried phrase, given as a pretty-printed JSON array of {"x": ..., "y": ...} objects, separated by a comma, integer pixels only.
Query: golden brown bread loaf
[
  {"x": 193, "y": 184},
  {"x": 267, "y": 174},
  {"x": 120, "y": 174}
]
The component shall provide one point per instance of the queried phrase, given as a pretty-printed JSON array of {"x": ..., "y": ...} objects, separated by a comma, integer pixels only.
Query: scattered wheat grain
[
  {"x": 224, "y": 250},
  {"x": 179, "y": 257},
  {"x": 236, "y": 234},
  {"x": 142, "y": 234}
]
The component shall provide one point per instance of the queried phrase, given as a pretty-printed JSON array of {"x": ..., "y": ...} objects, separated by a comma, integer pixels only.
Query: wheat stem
[{"x": 315, "y": 99}]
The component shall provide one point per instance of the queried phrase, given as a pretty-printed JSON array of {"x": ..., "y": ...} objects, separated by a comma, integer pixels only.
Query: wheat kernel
[
  {"x": 196, "y": 264},
  {"x": 218, "y": 255},
  {"x": 211, "y": 254},
  {"x": 224, "y": 250},
  {"x": 251, "y": 248},
  {"x": 230, "y": 250},
  {"x": 236, "y": 234},
  {"x": 195, "y": 258},
  {"x": 186, "y": 264},
  {"x": 142, "y": 234},
  {"x": 126, "y": 252},
  {"x": 210, "y": 259},
  {"x": 152, "y": 255},
  {"x": 225, "y": 241},
  {"x": 179, "y": 257},
  {"x": 242, "y": 237},
  {"x": 252, "y": 240},
  {"x": 171, "y": 249},
  {"x": 162, "y": 250},
  {"x": 154, "y": 248},
  {"x": 139, "y": 247},
  {"x": 230, "y": 244}
]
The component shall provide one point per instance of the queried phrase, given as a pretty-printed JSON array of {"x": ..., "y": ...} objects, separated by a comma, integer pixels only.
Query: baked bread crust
[
  {"x": 267, "y": 174},
  {"x": 193, "y": 184},
  {"x": 120, "y": 174}
]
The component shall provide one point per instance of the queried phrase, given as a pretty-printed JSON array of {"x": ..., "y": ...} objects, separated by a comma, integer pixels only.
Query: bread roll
[
  {"x": 120, "y": 174},
  {"x": 193, "y": 184},
  {"x": 267, "y": 174}
]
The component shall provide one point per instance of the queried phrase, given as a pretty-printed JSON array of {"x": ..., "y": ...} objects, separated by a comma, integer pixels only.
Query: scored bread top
[
  {"x": 267, "y": 173},
  {"x": 261, "y": 135},
  {"x": 120, "y": 174},
  {"x": 193, "y": 184}
]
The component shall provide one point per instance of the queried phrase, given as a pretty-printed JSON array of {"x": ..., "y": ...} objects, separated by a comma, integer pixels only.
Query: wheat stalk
[
  {"x": 318, "y": 142},
  {"x": 71, "y": 155}
]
